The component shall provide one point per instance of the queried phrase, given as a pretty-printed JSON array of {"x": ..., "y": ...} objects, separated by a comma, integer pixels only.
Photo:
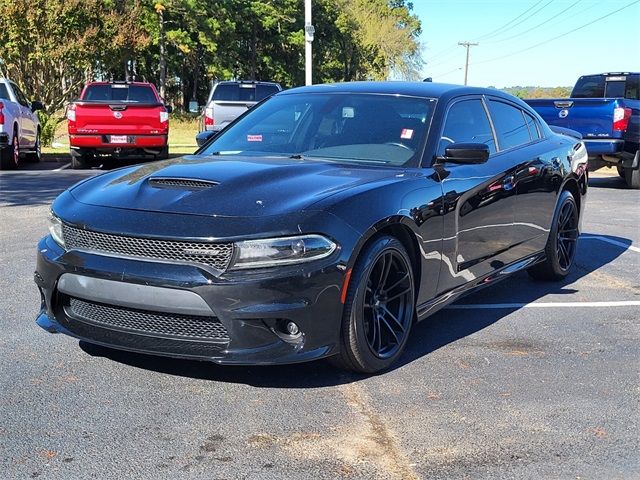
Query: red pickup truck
[{"x": 117, "y": 119}]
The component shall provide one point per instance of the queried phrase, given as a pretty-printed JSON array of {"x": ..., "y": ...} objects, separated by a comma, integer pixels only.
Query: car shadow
[
  {"x": 614, "y": 182},
  {"x": 435, "y": 332}
]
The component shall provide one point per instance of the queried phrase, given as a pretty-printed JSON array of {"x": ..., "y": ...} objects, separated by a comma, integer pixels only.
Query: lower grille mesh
[{"x": 147, "y": 322}]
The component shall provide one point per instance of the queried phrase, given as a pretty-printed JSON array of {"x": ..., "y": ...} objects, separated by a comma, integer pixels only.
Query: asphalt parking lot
[{"x": 523, "y": 380}]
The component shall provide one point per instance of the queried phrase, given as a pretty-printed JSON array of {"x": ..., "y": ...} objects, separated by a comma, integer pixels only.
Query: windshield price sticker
[
  {"x": 254, "y": 138},
  {"x": 406, "y": 134}
]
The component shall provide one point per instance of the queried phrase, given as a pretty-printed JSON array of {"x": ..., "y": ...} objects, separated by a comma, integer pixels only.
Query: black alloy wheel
[
  {"x": 379, "y": 308},
  {"x": 562, "y": 243},
  {"x": 567, "y": 235},
  {"x": 389, "y": 288}
]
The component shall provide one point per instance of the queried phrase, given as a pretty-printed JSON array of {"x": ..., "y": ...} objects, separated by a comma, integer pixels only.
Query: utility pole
[
  {"x": 466, "y": 64},
  {"x": 309, "y": 30},
  {"x": 162, "y": 74}
]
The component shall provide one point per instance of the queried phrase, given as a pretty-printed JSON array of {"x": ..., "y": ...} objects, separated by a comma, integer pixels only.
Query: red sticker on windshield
[
  {"x": 406, "y": 133},
  {"x": 254, "y": 138}
]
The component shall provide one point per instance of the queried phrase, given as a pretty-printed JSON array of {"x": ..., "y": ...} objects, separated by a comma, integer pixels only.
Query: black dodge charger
[{"x": 324, "y": 222}]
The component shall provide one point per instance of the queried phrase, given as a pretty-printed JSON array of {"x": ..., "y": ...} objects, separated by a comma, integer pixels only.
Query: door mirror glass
[{"x": 204, "y": 137}]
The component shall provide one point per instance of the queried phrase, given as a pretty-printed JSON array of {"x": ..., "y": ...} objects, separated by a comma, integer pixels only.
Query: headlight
[
  {"x": 281, "y": 251},
  {"x": 55, "y": 228}
]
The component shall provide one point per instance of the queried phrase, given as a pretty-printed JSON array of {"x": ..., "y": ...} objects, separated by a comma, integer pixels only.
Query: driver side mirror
[
  {"x": 168, "y": 108},
  {"x": 204, "y": 137},
  {"x": 466, "y": 153},
  {"x": 35, "y": 105}
]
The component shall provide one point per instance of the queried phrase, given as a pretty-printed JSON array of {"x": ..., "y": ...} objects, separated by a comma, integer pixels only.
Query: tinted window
[
  {"x": 532, "y": 125},
  {"x": 632, "y": 88},
  {"x": 120, "y": 93},
  {"x": 615, "y": 89},
  {"x": 509, "y": 123},
  {"x": 591, "y": 86},
  {"x": 467, "y": 122},
  {"x": 331, "y": 127},
  {"x": 243, "y": 92},
  {"x": 4, "y": 92},
  {"x": 21, "y": 98}
]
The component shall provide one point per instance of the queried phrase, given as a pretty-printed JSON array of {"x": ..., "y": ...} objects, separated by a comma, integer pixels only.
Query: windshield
[
  {"x": 120, "y": 92},
  {"x": 366, "y": 128}
]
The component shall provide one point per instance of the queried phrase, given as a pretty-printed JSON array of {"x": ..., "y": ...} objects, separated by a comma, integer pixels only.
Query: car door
[
  {"x": 536, "y": 179},
  {"x": 26, "y": 122},
  {"x": 479, "y": 200}
]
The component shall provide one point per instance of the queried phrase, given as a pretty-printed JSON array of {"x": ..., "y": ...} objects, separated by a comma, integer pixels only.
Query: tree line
[{"x": 50, "y": 48}]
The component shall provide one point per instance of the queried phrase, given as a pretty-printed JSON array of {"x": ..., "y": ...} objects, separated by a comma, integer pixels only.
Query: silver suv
[{"x": 230, "y": 99}]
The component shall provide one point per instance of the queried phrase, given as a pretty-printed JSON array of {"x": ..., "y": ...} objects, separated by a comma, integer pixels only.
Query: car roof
[
  {"x": 418, "y": 89},
  {"x": 257, "y": 82},
  {"x": 118, "y": 82}
]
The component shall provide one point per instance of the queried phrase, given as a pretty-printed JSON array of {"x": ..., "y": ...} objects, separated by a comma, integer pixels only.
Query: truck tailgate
[
  {"x": 119, "y": 118},
  {"x": 592, "y": 117}
]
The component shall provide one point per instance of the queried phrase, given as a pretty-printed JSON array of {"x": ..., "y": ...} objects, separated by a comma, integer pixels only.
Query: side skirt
[{"x": 444, "y": 299}]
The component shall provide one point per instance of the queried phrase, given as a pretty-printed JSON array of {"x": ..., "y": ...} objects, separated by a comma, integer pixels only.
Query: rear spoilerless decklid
[{"x": 118, "y": 117}]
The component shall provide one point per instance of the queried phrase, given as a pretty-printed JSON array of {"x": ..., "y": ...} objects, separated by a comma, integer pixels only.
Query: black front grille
[
  {"x": 185, "y": 183},
  {"x": 145, "y": 322},
  {"x": 217, "y": 255}
]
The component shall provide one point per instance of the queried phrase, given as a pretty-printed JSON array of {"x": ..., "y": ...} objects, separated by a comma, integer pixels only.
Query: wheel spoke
[
  {"x": 404, "y": 277},
  {"x": 398, "y": 295},
  {"x": 386, "y": 266},
  {"x": 390, "y": 329},
  {"x": 393, "y": 317}
]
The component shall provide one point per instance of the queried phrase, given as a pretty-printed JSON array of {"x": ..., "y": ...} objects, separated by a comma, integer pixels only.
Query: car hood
[{"x": 240, "y": 186}]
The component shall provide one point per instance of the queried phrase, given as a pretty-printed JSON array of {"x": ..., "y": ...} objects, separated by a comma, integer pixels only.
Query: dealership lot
[{"x": 522, "y": 380}]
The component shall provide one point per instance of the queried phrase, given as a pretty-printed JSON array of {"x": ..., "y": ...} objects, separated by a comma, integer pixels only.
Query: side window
[
  {"x": 632, "y": 88},
  {"x": 509, "y": 123},
  {"x": 467, "y": 122},
  {"x": 532, "y": 125},
  {"x": 21, "y": 98}
]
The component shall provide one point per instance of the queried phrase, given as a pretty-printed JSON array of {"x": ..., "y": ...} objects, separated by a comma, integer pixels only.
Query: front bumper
[{"x": 253, "y": 307}]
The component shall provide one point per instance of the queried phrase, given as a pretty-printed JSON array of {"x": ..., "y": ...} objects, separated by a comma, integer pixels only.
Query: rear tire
[
  {"x": 36, "y": 155},
  {"x": 632, "y": 177},
  {"x": 78, "y": 159},
  {"x": 561, "y": 246},
  {"x": 379, "y": 309},
  {"x": 10, "y": 156}
]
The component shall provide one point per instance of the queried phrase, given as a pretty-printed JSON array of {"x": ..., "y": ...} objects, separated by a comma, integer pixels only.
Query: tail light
[
  {"x": 164, "y": 117},
  {"x": 1, "y": 113},
  {"x": 208, "y": 117},
  {"x": 71, "y": 112},
  {"x": 621, "y": 118}
]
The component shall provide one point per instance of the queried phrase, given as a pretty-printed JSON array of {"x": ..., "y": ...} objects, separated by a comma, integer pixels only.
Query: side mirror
[
  {"x": 168, "y": 108},
  {"x": 466, "y": 153},
  {"x": 204, "y": 137},
  {"x": 35, "y": 105}
]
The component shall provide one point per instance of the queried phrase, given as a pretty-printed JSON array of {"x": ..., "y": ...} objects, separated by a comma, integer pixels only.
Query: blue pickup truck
[{"x": 605, "y": 109}]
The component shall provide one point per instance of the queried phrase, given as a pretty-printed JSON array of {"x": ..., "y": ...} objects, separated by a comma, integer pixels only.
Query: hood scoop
[{"x": 181, "y": 183}]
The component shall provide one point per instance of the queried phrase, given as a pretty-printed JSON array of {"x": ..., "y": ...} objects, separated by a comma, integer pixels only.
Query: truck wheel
[
  {"x": 163, "y": 154},
  {"x": 561, "y": 246},
  {"x": 632, "y": 177},
  {"x": 10, "y": 156},
  {"x": 36, "y": 155},
  {"x": 78, "y": 159}
]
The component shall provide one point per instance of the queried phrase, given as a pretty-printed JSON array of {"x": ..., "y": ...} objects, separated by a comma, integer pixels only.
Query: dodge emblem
[{"x": 563, "y": 113}]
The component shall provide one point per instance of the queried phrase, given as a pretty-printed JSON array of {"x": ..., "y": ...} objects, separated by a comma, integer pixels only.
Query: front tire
[
  {"x": 379, "y": 309},
  {"x": 561, "y": 246}
]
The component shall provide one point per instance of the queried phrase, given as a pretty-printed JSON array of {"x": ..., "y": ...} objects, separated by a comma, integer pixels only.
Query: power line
[
  {"x": 510, "y": 21},
  {"x": 558, "y": 36},
  {"x": 544, "y": 22},
  {"x": 534, "y": 13}
]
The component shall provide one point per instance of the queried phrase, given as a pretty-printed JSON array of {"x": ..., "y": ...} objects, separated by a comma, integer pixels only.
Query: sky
[{"x": 508, "y": 32}]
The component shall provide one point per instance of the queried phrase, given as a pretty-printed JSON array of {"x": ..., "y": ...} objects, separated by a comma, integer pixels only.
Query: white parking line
[
  {"x": 612, "y": 242},
  {"x": 62, "y": 167},
  {"x": 473, "y": 306}
]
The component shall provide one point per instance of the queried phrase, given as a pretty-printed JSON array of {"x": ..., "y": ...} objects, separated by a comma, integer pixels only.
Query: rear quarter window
[
  {"x": 591, "y": 86},
  {"x": 4, "y": 92},
  {"x": 510, "y": 125},
  {"x": 632, "y": 88}
]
